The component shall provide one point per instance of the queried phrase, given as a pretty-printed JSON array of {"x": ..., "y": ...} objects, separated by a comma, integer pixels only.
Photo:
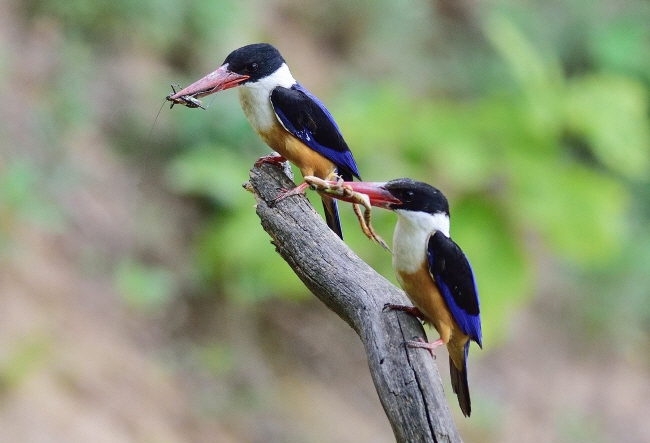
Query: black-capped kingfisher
[
  {"x": 433, "y": 271},
  {"x": 289, "y": 119}
]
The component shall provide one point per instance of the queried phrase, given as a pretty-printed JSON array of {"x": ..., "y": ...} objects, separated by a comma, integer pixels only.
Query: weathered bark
[{"x": 407, "y": 381}]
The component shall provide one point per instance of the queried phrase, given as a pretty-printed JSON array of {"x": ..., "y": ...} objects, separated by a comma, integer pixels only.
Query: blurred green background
[{"x": 141, "y": 301}]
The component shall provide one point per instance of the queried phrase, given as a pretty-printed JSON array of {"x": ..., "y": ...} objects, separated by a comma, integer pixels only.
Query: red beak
[
  {"x": 379, "y": 196},
  {"x": 219, "y": 80}
]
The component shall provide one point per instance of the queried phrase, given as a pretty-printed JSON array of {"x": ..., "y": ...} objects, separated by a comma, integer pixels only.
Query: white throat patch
[
  {"x": 255, "y": 98},
  {"x": 410, "y": 239}
]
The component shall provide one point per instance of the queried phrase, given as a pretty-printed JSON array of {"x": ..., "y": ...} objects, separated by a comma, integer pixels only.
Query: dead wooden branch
[{"x": 407, "y": 381}]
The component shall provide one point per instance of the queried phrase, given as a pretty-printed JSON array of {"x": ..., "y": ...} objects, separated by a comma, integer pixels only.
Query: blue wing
[
  {"x": 307, "y": 118},
  {"x": 453, "y": 274}
]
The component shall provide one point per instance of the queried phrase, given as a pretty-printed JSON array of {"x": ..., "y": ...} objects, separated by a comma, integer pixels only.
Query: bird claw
[
  {"x": 419, "y": 342},
  {"x": 273, "y": 159},
  {"x": 284, "y": 193},
  {"x": 414, "y": 311},
  {"x": 338, "y": 189}
]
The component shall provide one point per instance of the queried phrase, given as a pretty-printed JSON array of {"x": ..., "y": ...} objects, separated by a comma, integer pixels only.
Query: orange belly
[
  {"x": 293, "y": 149},
  {"x": 424, "y": 293}
]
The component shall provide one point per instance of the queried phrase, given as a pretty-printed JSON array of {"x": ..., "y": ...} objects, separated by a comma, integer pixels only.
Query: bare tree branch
[{"x": 407, "y": 381}]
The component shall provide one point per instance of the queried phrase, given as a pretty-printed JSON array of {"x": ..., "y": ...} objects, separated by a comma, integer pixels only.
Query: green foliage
[
  {"x": 161, "y": 24},
  {"x": 623, "y": 319},
  {"x": 622, "y": 45},
  {"x": 26, "y": 356},
  {"x": 234, "y": 251},
  {"x": 576, "y": 428},
  {"x": 218, "y": 359},
  {"x": 503, "y": 272},
  {"x": 21, "y": 200},
  {"x": 210, "y": 171},
  {"x": 232, "y": 248},
  {"x": 144, "y": 286},
  {"x": 610, "y": 114}
]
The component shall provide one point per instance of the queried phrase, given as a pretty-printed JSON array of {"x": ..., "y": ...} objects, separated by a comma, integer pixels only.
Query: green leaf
[
  {"x": 529, "y": 67},
  {"x": 212, "y": 171},
  {"x": 234, "y": 250},
  {"x": 144, "y": 286},
  {"x": 22, "y": 200},
  {"x": 216, "y": 358},
  {"x": 579, "y": 212},
  {"x": 623, "y": 46},
  {"x": 610, "y": 112},
  {"x": 503, "y": 273},
  {"x": 26, "y": 356}
]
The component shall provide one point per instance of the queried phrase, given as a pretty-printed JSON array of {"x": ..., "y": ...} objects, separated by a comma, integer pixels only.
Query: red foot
[
  {"x": 298, "y": 190},
  {"x": 419, "y": 343},
  {"x": 274, "y": 159},
  {"x": 410, "y": 309}
]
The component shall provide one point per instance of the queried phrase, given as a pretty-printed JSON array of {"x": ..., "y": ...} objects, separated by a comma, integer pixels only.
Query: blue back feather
[
  {"x": 340, "y": 158},
  {"x": 468, "y": 323}
]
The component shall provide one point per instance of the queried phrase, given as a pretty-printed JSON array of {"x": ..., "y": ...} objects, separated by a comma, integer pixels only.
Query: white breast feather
[
  {"x": 411, "y": 238},
  {"x": 255, "y": 98}
]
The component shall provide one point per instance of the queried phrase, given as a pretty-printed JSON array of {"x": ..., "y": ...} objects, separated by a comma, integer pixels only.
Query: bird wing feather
[
  {"x": 453, "y": 274},
  {"x": 306, "y": 117}
]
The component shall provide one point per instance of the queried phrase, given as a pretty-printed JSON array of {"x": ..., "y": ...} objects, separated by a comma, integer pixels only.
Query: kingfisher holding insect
[
  {"x": 289, "y": 119},
  {"x": 431, "y": 268}
]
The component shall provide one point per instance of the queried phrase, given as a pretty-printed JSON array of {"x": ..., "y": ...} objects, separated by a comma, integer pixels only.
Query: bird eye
[
  {"x": 252, "y": 67},
  {"x": 408, "y": 196}
]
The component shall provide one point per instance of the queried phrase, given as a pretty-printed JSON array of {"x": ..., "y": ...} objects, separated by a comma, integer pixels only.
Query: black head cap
[
  {"x": 417, "y": 196},
  {"x": 257, "y": 61}
]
